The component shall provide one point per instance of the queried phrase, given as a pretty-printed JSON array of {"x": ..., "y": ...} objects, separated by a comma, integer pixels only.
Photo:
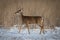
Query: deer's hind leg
[
  {"x": 38, "y": 22},
  {"x": 42, "y": 29},
  {"x": 27, "y": 26},
  {"x": 41, "y": 25}
]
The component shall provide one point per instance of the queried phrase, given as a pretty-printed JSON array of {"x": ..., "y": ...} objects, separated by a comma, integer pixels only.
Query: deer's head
[{"x": 19, "y": 12}]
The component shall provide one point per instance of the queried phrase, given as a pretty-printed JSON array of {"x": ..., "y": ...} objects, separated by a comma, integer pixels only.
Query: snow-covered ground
[{"x": 13, "y": 34}]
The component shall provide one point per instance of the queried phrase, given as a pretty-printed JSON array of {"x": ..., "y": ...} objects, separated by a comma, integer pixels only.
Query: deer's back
[{"x": 31, "y": 19}]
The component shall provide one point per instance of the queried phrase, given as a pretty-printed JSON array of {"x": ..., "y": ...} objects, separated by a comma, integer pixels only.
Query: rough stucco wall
[{"x": 49, "y": 9}]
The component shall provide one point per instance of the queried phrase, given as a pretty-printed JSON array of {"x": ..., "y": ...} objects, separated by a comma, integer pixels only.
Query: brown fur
[{"x": 32, "y": 20}]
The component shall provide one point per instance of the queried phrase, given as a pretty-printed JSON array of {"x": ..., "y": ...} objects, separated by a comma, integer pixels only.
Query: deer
[{"x": 31, "y": 20}]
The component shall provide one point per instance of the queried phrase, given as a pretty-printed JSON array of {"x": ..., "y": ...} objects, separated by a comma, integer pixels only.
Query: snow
[{"x": 13, "y": 34}]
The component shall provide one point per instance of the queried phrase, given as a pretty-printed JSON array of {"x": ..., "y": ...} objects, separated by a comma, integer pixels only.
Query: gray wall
[{"x": 49, "y": 9}]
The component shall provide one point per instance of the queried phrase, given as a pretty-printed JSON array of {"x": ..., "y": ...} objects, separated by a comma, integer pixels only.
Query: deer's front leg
[
  {"x": 19, "y": 28},
  {"x": 27, "y": 26}
]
